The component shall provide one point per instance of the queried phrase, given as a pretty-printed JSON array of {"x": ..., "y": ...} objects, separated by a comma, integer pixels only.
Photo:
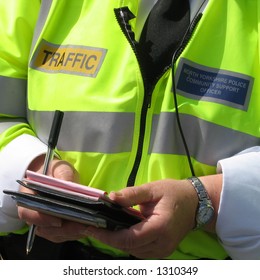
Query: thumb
[
  {"x": 63, "y": 170},
  {"x": 131, "y": 196}
]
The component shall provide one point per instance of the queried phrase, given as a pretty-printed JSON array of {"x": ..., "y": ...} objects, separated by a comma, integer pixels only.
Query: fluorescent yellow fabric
[{"x": 82, "y": 61}]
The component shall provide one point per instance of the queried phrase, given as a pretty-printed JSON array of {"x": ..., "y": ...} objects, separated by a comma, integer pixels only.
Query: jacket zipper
[{"x": 123, "y": 15}]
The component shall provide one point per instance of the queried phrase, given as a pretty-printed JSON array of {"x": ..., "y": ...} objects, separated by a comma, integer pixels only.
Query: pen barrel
[
  {"x": 52, "y": 142},
  {"x": 47, "y": 160},
  {"x": 55, "y": 129}
]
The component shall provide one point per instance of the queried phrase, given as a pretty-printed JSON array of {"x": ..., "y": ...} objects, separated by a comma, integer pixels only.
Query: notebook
[{"x": 75, "y": 202}]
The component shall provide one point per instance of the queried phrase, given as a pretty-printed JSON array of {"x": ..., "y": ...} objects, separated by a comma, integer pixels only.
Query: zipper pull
[{"x": 149, "y": 100}]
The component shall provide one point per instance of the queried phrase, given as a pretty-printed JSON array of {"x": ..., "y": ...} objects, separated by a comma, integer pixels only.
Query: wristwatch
[{"x": 205, "y": 210}]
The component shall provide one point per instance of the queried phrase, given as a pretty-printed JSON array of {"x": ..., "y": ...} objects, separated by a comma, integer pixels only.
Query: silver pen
[{"x": 52, "y": 142}]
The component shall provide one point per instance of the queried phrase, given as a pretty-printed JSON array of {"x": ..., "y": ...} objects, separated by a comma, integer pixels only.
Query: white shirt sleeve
[
  {"x": 14, "y": 160},
  {"x": 238, "y": 223}
]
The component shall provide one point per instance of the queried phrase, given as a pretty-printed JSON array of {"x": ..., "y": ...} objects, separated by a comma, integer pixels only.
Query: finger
[
  {"x": 127, "y": 240},
  {"x": 26, "y": 190},
  {"x": 157, "y": 249},
  {"x": 63, "y": 170},
  {"x": 135, "y": 195},
  {"x": 37, "y": 218},
  {"x": 57, "y": 238},
  {"x": 68, "y": 231}
]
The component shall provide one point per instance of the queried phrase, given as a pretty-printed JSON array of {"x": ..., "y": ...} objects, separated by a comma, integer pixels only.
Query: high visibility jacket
[{"x": 82, "y": 59}]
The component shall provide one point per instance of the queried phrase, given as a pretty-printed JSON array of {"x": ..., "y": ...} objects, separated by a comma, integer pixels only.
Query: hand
[
  {"x": 58, "y": 169},
  {"x": 169, "y": 207}
]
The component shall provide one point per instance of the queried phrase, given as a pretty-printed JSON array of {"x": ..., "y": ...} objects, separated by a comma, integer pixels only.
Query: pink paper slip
[{"x": 66, "y": 185}]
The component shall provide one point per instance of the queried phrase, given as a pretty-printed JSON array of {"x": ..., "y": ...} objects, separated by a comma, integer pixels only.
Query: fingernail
[{"x": 117, "y": 193}]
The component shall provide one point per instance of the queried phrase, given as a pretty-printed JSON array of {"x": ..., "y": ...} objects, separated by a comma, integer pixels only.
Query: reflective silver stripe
[
  {"x": 6, "y": 124},
  {"x": 207, "y": 142},
  {"x": 113, "y": 133},
  {"x": 44, "y": 11},
  {"x": 88, "y": 131},
  {"x": 13, "y": 96}
]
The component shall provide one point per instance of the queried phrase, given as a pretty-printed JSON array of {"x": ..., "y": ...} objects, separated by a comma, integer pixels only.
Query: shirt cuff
[
  {"x": 14, "y": 161},
  {"x": 238, "y": 224}
]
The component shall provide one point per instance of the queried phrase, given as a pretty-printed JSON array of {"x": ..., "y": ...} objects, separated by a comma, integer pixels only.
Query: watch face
[{"x": 205, "y": 214}]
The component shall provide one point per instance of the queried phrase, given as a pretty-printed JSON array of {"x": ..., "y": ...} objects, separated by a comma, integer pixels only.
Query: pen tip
[{"x": 27, "y": 251}]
